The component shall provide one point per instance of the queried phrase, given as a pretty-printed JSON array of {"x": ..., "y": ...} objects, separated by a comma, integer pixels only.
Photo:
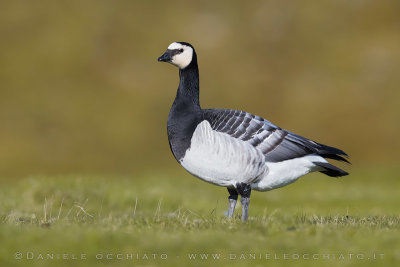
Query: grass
[{"x": 57, "y": 219}]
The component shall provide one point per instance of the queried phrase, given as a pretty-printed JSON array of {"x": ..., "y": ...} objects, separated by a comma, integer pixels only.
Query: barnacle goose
[{"x": 236, "y": 149}]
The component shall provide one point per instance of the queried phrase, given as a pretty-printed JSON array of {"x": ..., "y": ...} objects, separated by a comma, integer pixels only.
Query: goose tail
[{"x": 330, "y": 169}]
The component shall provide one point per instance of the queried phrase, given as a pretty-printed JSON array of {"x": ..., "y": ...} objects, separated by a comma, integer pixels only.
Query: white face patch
[{"x": 183, "y": 59}]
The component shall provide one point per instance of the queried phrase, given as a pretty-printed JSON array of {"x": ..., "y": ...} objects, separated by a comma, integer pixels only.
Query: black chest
[{"x": 182, "y": 122}]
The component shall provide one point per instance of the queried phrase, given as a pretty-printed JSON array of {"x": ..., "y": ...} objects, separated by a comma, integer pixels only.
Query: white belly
[
  {"x": 221, "y": 159},
  {"x": 286, "y": 172}
]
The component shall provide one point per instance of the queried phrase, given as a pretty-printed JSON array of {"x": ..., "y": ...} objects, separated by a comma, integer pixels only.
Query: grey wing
[{"x": 274, "y": 142}]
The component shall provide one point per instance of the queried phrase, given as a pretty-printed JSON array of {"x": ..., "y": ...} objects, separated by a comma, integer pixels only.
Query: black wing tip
[
  {"x": 318, "y": 148},
  {"x": 331, "y": 150},
  {"x": 336, "y": 157},
  {"x": 332, "y": 153}
]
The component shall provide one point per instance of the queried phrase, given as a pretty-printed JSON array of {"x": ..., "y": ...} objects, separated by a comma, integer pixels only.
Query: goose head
[{"x": 180, "y": 54}]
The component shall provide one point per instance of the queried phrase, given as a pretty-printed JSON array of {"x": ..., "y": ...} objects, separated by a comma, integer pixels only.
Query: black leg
[
  {"x": 244, "y": 190},
  {"x": 233, "y": 196}
]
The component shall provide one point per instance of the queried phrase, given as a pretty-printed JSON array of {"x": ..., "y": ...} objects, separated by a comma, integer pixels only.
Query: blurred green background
[{"x": 81, "y": 90}]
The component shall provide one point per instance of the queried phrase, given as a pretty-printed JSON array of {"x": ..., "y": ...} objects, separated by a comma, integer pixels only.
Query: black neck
[
  {"x": 185, "y": 113},
  {"x": 188, "y": 90}
]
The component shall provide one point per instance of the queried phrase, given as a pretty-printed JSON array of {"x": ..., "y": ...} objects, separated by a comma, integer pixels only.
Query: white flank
[
  {"x": 221, "y": 159},
  {"x": 181, "y": 60},
  {"x": 286, "y": 172}
]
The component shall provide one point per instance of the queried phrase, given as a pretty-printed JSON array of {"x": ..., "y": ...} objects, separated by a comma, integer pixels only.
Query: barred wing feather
[{"x": 275, "y": 143}]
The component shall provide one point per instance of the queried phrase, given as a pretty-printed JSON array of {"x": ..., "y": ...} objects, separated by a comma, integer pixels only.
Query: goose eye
[{"x": 180, "y": 50}]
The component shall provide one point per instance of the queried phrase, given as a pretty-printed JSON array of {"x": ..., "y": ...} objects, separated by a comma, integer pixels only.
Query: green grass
[{"x": 177, "y": 215}]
